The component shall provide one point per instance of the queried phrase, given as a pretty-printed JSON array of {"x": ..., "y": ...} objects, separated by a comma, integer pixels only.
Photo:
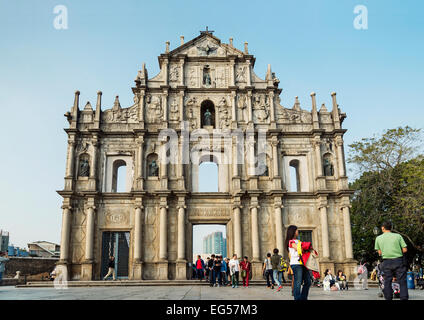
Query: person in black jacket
[
  {"x": 212, "y": 275},
  {"x": 111, "y": 266}
]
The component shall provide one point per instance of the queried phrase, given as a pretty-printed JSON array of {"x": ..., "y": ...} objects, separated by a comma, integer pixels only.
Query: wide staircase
[{"x": 129, "y": 283}]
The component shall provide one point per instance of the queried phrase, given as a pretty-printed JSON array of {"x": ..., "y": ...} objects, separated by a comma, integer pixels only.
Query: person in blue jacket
[{"x": 224, "y": 268}]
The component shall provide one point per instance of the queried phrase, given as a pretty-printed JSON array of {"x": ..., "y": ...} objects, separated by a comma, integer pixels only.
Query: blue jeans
[
  {"x": 199, "y": 273},
  {"x": 268, "y": 274},
  {"x": 212, "y": 277},
  {"x": 277, "y": 277},
  {"x": 1, "y": 276},
  {"x": 301, "y": 276}
]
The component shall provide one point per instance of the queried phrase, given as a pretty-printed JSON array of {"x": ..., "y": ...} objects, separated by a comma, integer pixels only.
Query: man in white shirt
[{"x": 234, "y": 271}]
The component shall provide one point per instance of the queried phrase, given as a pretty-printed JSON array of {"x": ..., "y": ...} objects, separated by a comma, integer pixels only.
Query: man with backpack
[{"x": 275, "y": 262}]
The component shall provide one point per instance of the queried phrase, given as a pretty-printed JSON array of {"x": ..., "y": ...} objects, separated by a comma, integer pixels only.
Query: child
[
  {"x": 342, "y": 280},
  {"x": 396, "y": 288}
]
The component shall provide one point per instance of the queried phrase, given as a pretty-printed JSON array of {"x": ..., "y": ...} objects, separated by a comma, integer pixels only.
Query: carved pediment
[{"x": 206, "y": 45}]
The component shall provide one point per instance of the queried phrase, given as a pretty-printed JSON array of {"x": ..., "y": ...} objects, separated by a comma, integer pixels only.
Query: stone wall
[{"x": 29, "y": 265}]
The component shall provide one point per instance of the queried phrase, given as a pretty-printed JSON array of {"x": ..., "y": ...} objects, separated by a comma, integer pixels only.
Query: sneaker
[
  {"x": 272, "y": 287},
  {"x": 279, "y": 288}
]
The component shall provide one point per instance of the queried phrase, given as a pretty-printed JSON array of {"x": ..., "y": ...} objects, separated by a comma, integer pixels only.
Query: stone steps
[{"x": 128, "y": 283}]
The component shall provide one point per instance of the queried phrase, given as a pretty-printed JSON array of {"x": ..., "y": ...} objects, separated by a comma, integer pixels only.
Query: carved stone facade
[{"x": 212, "y": 85}]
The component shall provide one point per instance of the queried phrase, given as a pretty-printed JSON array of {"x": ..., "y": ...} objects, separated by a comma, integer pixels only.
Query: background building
[
  {"x": 215, "y": 243},
  {"x": 44, "y": 249},
  {"x": 4, "y": 237}
]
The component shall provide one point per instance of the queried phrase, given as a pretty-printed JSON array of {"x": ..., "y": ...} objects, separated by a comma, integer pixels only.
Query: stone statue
[
  {"x": 84, "y": 168},
  {"x": 328, "y": 168},
  {"x": 153, "y": 169},
  {"x": 240, "y": 74},
  {"x": 206, "y": 77},
  {"x": 263, "y": 170},
  {"x": 207, "y": 118}
]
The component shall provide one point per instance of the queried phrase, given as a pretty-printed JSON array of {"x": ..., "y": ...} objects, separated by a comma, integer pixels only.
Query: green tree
[{"x": 390, "y": 187}]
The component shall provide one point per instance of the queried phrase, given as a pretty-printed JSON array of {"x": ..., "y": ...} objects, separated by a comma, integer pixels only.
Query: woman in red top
[{"x": 247, "y": 267}]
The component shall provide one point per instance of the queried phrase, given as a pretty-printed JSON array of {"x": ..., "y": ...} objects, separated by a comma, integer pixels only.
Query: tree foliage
[{"x": 390, "y": 187}]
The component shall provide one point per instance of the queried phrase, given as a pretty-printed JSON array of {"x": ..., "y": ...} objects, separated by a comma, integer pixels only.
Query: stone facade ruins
[{"x": 210, "y": 85}]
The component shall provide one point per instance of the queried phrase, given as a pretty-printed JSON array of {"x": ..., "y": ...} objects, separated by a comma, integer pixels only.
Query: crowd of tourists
[
  {"x": 303, "y": 271},
  {"x": 219, "y": 271}
]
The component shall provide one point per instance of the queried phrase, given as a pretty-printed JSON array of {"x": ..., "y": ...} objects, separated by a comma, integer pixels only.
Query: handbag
[
  {"x": 312, "y": 263},
  {"x": 243, "y": 273}
]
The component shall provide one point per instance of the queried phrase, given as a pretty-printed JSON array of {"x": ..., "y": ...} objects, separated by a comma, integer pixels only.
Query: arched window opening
[
  {"x": 207, "y": 114},
  {"x": 294, "y": 176},
  {"x": 208, "y": 177},
  {"x": 119, "y": 181}
]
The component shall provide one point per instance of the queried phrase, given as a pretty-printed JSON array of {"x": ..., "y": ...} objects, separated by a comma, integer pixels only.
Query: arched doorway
[{"x": 207, "y": 114}]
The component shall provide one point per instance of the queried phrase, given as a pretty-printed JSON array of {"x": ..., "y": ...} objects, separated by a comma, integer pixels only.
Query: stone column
[
  {"x": 232, "y": 63},
  {"x": 66, "y": 233},
  {"x": 182, "y": 71},
  {"x": 317, "y": 147},
  {"x": 165, "y": 70},
  {"x": 249, "y": 106},
  {"x": 278, "y": 224},
  {"x": 237, "y": 229},
  {"x": 340, "y": 156},
  {"x": 139, "y": 163},
  {"x": 248, "y": 78},
  {"x": 137, "y": 266},
  {"x": 141, "y": 106},
  {"x": 163, "y": 166},
  {"x": 93, "y": 169},
  {"x": 181, "y": 104},
  {"x": 324, "y": 230},
  {"x": 89, "y": 238},
  {"x": 320, "y": 179},
  {"x": 163, "y": 233},
  {"x": 271, "y": 106},
  {"x": 138, "y": 233},
  {"x": 165, "y": 105},
  {"x": 70, "y": 158},
  {"x": 347, "y": 232},
  {"x": 181, "y": 232},
  {"x": 87, "y": 265},
  {"x": 233, "y": 108},
  {"x": 181, "y": 268},
  {"x": 255, "y": 228},
  {"x": 163, "y": 240}
]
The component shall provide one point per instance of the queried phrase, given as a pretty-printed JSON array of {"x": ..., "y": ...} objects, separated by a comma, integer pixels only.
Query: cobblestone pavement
[{"x": 184, "y": 293}]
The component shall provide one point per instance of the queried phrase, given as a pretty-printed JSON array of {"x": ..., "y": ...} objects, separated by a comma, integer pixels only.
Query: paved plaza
[{"x": 184, "y": 293}]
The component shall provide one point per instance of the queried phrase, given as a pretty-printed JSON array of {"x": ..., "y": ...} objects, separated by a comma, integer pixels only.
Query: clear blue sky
[{"x": 311, "y": 45}]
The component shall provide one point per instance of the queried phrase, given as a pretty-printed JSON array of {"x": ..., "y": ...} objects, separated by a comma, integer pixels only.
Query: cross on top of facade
[{"x": 207, "y": 31}]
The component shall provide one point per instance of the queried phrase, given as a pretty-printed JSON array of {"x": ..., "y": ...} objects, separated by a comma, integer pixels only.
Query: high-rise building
[
  {"x": 4, "y": 243},
  {"x": 215, "y": 243}
]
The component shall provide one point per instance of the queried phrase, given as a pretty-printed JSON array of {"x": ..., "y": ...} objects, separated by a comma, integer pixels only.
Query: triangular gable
[{"x": 206, "y": 44}]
